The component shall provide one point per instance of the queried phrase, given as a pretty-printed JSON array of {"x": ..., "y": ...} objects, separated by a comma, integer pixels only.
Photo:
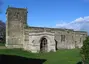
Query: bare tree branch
[{"x": 2, "y": 31}]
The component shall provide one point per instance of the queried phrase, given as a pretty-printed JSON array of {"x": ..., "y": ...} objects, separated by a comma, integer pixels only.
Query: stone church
[{"x": 38, "y": 39}]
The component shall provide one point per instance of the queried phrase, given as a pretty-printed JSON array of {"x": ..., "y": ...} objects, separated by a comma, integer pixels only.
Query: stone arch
[{"x": 43, "y": 44}]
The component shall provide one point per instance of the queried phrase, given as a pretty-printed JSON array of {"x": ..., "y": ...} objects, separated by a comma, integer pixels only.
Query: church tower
[{"x": 16, "y": 22}]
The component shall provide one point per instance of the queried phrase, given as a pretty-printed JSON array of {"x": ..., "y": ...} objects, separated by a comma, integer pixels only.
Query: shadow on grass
[
  {"x": 11, "y": 59},
  {"x": 80, "y": 62}
]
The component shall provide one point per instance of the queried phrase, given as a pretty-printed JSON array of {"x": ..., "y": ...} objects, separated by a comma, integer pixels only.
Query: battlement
[
  {"x": 47, "y": 28},
  {"x": 41, "y": 29},
  {"x": 15, "y": 8},
  {"x": 81, "y": 32}
]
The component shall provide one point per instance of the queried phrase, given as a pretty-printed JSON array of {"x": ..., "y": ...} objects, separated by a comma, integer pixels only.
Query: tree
[
  {"x": 2, "y": 32},
  {"x": 85, "y": 51}
]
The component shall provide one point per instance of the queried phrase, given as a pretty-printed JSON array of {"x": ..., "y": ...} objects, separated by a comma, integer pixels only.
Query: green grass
[
  {"x": 59, "y": 57},
  {"x": 2, "y": 44}
]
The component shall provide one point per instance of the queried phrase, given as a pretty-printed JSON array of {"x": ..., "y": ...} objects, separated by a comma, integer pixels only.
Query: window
[
  {"x": 72, "y": 37},
  {"x": 62, "y": 38},
  {"x": 33, "y": 41},
  {"x": 80, "y": 40},
  {"x": 67, "y": 31}
]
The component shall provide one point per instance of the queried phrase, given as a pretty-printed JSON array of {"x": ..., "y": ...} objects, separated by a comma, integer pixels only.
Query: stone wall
[
  {"x": 16, "y": 21},
  {"x": 73, "y": 39}
]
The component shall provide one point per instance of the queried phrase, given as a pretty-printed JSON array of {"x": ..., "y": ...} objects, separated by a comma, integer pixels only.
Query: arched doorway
[
  {"x": 56, "y": 43},
  {"x": 43, "y": 45}
]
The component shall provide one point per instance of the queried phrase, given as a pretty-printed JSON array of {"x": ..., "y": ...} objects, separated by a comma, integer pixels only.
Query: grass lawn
[
  {"x": 59, "y": 57},
  {"x": 2, "y": 44}
]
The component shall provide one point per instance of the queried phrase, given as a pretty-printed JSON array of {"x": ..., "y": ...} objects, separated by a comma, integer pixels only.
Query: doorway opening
[
  {"x": 43, "y": 45},
  {"x": 56, "y": 43}
]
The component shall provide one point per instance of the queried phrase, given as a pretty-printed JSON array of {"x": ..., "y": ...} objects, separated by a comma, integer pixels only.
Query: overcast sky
[{"x": 71, "y": 14}]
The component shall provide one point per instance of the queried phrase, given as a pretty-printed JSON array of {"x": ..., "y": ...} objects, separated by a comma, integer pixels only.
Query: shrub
[{"x": 85, "y": 51}]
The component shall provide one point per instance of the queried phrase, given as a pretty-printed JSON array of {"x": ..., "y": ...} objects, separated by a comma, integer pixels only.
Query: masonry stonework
[{"x": 38, "y": 39}]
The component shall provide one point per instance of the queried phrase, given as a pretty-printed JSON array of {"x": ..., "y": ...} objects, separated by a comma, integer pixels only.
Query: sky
[{"x": 70, "y": 14}]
